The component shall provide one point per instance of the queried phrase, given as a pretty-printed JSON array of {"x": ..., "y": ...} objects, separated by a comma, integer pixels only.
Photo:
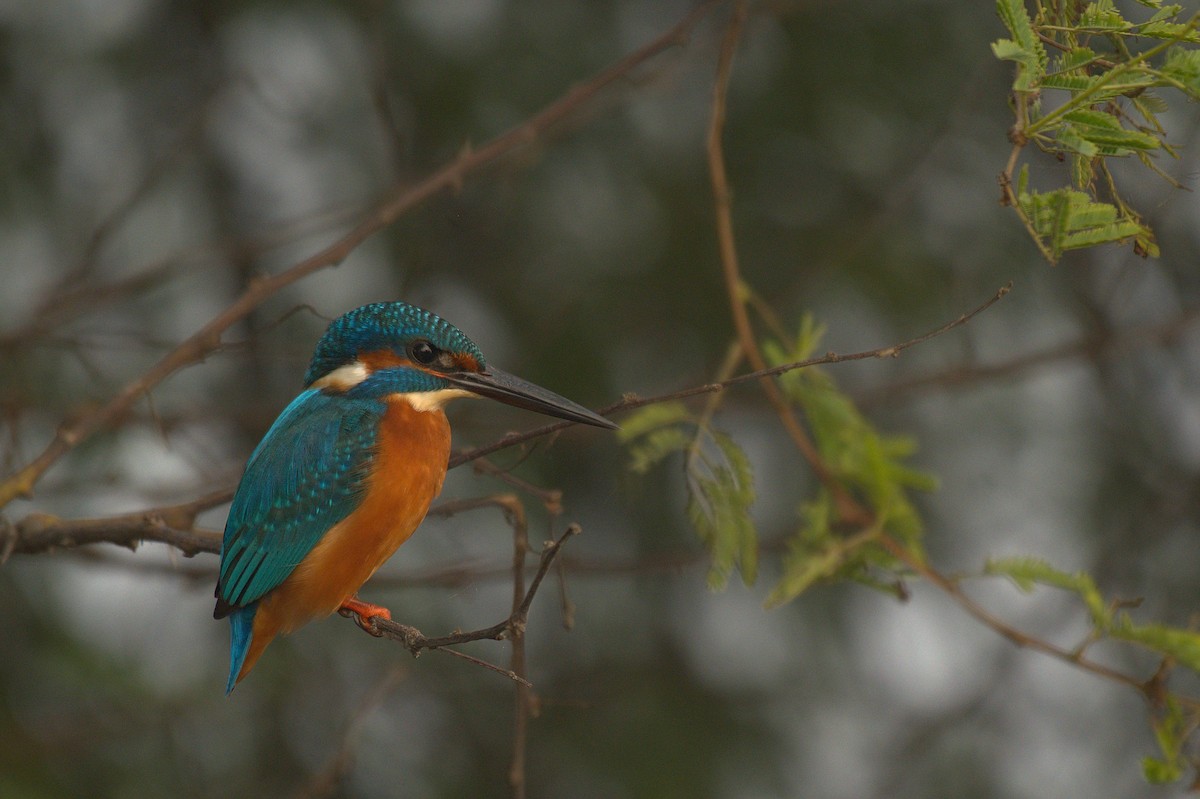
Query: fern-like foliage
[
  {"x": 871, "y": 466},
  {"x": 1176, "y": 645},
  {"x": 1105, "y": 82},
  {"x": 719, "y": 480}
]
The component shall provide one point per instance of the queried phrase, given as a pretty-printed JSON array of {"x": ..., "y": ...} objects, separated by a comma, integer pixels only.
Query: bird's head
[{"x": 392, "y": 348}]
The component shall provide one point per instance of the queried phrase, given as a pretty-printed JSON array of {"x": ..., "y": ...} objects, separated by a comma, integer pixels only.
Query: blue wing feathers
[{"x": 305, "y": 476}]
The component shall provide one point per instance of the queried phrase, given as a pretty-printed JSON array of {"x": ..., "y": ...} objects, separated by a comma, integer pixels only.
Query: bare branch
[
  {"x": 325, "y": 782},
  {"x": 208, "y": 338},
  {"x": 170, "y": 524},
  {"x": 414, "y": 640}
]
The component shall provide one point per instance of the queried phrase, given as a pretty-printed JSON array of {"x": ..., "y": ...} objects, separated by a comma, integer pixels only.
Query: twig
[
  {"x": 325, "y": 782},
  {"x": 415, "y": 641},
  {"x": 1092, "y": 346},
  {"x": 632, "y": 401},
  {"x": 524, "y": 697},
  {"x": 1021, "y": 639},
  {"x": 849, "y": 510},
  {"x": 208, "y": 338},
  {"x": 551, "y": 498}
]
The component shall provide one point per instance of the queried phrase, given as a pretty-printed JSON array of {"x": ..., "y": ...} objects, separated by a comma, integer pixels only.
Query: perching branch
[{"x": 415, "y": 641}]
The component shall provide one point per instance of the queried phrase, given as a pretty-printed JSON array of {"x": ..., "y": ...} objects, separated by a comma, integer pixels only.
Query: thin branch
[
  {"x": 415, "y": 641},
  {"x": 551, "y": 498},
  {"x": 849, "y": 510},
  {"x": 951, "y": 588},
  {"x": 170, "y": 524},
  {"x": 524, "y": 696},
  {"x": 1093, "y": 346},
  {"x": 208, "y": 338},
  {"x": 632, "y": 401},
  {"x": 325, "y": 782}
]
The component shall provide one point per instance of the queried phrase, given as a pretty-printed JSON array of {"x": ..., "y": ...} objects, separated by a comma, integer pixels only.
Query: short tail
[{"x": 241, "y": 629}]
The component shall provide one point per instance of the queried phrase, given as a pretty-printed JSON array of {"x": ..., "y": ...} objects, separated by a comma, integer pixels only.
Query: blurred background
[{"x": 157, "y": 156}]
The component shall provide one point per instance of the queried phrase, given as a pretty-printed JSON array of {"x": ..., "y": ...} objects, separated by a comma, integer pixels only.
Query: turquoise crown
[{"x": 384, "y": 326}]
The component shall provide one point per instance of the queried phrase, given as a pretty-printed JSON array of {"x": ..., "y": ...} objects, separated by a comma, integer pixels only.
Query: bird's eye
[{"x": 422, "y": 352}]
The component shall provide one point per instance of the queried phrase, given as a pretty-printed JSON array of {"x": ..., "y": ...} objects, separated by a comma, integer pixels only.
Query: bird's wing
[{"x": 308, "y": 473}]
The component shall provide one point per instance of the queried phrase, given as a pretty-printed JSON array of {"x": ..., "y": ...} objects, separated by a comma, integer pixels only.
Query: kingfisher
[{"x": 347, "y": 472}]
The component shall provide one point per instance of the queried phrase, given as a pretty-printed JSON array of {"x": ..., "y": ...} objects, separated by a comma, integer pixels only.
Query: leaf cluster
[
  {"x": 870, "y": 465},
  {"x": 1105, "y": 83},
  {"x": 719, "y": 480}
]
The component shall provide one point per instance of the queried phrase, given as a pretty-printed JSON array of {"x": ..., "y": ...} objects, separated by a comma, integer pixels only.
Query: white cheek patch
[
  {"x": 343, "y": 378},
  {"x": 431, "y": 400}
]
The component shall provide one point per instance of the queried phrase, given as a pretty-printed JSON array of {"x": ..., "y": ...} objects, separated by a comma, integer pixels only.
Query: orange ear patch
[{"x": 382, "y": 359}]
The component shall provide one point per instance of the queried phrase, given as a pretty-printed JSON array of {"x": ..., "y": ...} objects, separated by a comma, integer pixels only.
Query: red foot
[{"x": 364, "y": 614}]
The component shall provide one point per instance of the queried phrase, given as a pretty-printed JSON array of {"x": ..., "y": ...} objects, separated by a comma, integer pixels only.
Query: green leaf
[
  {"x": 1024, "y": 48},
  {"x": 1182, "y": 66},
  {"x": 1170, "y": 732},
  {"x": 1070, "y": 140},
  {"x": 870, "y": 465},
  {"x": 1103, "y": 16},
  {"x": 1028, "y": 572},
  {"x": 1081, "y": 171},
  {"x": 720, "y": 483},
  {"x": 1165, "y": 12},
  {"x": 656, "y": 445},
  {"x": 1182, "y": 645},
  {"x": 1073, "y": 59},
  {"x": 1100, "y": 128},
  {"x": 1170, "y": 30},
  {"x": 813, "y": 554},
  {"x": 801, "y": 572},
  {"x": 1067, "y": 219},
  {"x": 651, "y": 417},
  {"x": 1069, "y": 83},
  {"x": 1101, "y": 234},
  {"x": 1161, "y": 772},
  {"x": 720, "y": 493}
]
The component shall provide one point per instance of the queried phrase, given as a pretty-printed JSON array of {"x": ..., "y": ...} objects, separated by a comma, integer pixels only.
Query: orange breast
[{"x": 410, "y": 465}]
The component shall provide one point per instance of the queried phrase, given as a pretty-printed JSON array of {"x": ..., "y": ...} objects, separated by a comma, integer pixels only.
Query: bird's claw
[{"x": 365, "y": 615}]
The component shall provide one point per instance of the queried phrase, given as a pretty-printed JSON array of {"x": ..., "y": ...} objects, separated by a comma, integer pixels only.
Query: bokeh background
[{"x": 157, "y": 156}]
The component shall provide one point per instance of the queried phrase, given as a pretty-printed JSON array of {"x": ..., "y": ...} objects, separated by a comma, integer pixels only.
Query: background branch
[{"x": 207, "y": 339}]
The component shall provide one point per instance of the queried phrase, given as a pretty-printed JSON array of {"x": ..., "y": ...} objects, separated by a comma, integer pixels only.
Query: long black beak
[{"x": 512, "y": 390}]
